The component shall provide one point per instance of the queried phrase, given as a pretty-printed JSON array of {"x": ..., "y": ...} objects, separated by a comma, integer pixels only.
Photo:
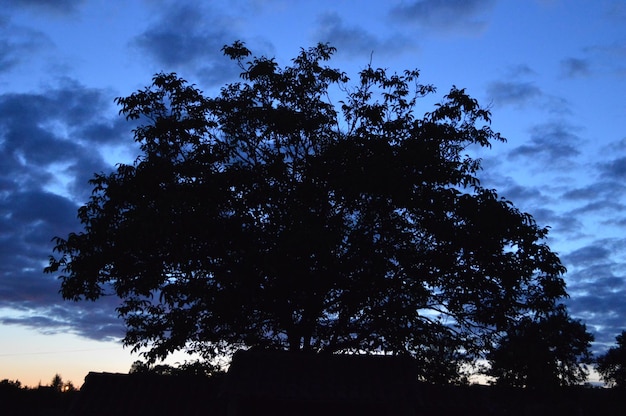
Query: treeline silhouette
[
  {"x": 283, "y": 383},
  {"x": 52, "y": 399}
]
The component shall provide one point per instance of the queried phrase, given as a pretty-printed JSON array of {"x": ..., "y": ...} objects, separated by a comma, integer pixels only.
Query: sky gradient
[{"x": 553, "y": 73}]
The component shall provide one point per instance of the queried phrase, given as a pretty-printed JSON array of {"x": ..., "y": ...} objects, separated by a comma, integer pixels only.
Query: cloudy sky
[{"x": 553, "y": 73}]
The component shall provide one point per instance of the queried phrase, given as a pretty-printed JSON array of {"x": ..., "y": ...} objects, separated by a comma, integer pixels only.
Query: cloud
[
  {"x": 575, "y": 67},
  {"x": 601, "y": 309},
  {"x": 464, "y": 16},
  {"x": 597, "y": 286},
  {"x": 513, "y": 92},
  {"x": 18, "y": 44},
  {"x": 55, "y": 6},
  {"x": 599, "y": 206},
  {"x": 354, "y": 40},
  {"x": 609, "y": 57},
  {"x": 614, "y": 169},
  {"x": 47, "y": 142},
  {"x": 48, "y": 138},
  {"x": 196, "y": 49},
  {"x": 597, "y": 190},
  {"x": 536, "y": 200},
  {"x": 587, "y": 255},
  {"x": 602, "y": 199},
  {"x": 89, "y": 320},
  {"x": 552, "y": 142}
]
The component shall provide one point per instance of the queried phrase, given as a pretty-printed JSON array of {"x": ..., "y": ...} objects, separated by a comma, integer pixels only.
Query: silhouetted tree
[
  {"x": 612, "y": 364},
  {"x": 199, "y": 368},
  {"x": 551, "y": 350},
  {"x": 195, "y": 368},
  {"x": 10, "y": 384},
  {"x": 57, "y": 382},
  {"x": 269, "y": 216},
  {"x": 59, "y": 385},
  {"x": 139, "y": 367}
]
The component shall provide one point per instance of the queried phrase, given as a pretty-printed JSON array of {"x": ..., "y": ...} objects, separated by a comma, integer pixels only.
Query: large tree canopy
[{"x": 275, "y": 215}]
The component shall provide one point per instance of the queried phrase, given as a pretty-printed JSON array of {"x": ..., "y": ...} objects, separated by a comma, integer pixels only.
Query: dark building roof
[
  {"x": 315, "y": 384},
  {"x": 145, "y": 394},
  {"x": 298, "y": 376}
]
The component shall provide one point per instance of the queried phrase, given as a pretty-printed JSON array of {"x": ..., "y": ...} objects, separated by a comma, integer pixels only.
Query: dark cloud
[
  {"x": 534, "y": 200},
  {"x": 597, "y": 286},
  {"x": 49, "y": 138},
  {"x": 597, "y": 190},
  {"x": 575, "y": 67},
  {"x": 603, "y": 206},
  {"x": 185, "y": 37},
  {"x": 602, "y": 310},
  {"x": 445, "y": 15},
  {"x": 614, "y": 169},
  {"x": 587, "y": 255},
  {"x": 602, "y": 199},
  {"x": 47, "y": 155},
  {"x": 520, "y": 70},
  {"x": 528, "y": 194},
  {"x": 89, "y": 320},
  {"x": 553, "y": 142},
  {"x": 355, "y": 40},
  {"x": 55, "y": 6},
  {"x": 513, "y": 92},
  {"x": 17, "y": 44}
]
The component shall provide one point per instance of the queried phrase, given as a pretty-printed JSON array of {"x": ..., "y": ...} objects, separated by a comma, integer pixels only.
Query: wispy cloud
[
  {"x": 552, "y": 142},
  {"x": 596, "y": 283},
  {"x": 614, "y": 169},
  {"x": 575, "y": 67},
  {"x": 453, "y": 16},
  {"x": 18, "y": 43},
  {"x": 355, "y": 40},
  {"x": 89, "y": 320},
  {"x": 513, "y": 92},
  {"x": 55, "y": 6},
  {"x": 197, "y": 48}
]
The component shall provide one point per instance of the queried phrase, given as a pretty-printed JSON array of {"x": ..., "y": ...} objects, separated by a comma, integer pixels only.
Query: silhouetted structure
[
  {"x": 283, "y": 383},
  {"x": 317, "y": 384},
  {"x": 146, "y": 394}
]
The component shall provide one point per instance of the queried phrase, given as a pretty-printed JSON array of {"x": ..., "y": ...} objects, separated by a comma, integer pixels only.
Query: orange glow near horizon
[{"x": 34, "y": 358}]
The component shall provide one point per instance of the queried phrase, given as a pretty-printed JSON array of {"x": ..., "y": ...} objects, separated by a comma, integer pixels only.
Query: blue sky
[{"x": 553, "y": 73}]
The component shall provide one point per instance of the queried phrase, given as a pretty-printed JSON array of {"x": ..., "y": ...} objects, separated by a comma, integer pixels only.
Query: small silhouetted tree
[
  {"x": 138, "y": 367},
  {"x": 59, "y": 385},
  {"x": 547, "y": 351},
  {"x": 612, "y": 364},
  {"x": 57, "y": 382},
  {"x": 270, "y": 216},
  {"x": 10, "y": 384}
]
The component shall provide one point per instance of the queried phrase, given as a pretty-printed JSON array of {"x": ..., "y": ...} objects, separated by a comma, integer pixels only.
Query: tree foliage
[
  {"x": 272, "y": 216},
  {"x": 190, "y": 368},
  {"x": 10, "y": 384},
  {"x": 548, "y": 351},
  {"x": 612, "y": 364},
  {"x": 58, "y": 384}
]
